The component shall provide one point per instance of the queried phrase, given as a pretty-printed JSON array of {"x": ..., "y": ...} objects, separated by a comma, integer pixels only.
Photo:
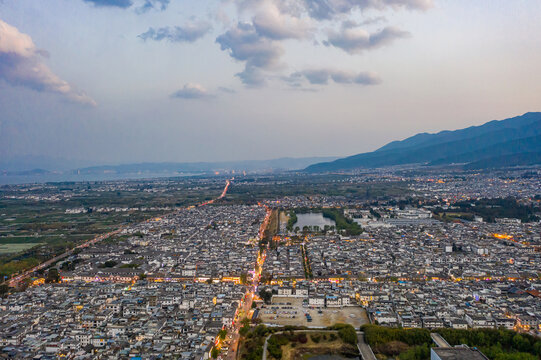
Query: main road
[
  {"x": 250, "y": 294},
  {"x": 17, "y": 279}
]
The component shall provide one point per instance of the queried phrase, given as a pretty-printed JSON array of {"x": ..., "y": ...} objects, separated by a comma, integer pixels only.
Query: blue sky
[{"x": 113, "y": 81}]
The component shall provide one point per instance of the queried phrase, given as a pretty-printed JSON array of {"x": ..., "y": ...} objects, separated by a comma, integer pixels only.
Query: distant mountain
[
  {"x": 31, "y": 162},
  {"x": 202, "y": 167},
  {"x": 19, "y": 173},
  {"x": 510, "y": 142}
]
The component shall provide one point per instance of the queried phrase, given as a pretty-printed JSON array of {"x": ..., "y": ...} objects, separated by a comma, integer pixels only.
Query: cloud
[
  {"x": 192, "y": 91},
  {"x": 124, "y": 4},
  {"x": 322, "y": 76},
  {"x": 21, "y": 64},
  {"x": 373, "y": 20},
  {"x": 245, "y": 44},
  {"x": 258, "y": 40},
  {"x": 227, "y": 90},
  {"x": 356, "y": 40},
  {"x": 328, "y": 9},
  {"x": 153, "y": 4},
  {"x": 190, "y": 32},
  {"x": 270, "y": 22}
]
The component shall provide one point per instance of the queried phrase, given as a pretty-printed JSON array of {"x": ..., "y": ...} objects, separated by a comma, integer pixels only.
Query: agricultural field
[
  {"x": 259, "y": 188},
  {"x": 17, "y": 247},
  {"x": 39, "y": 221}
]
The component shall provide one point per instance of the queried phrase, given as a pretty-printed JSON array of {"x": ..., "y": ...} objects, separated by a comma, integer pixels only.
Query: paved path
[
  {"x": 364, "y": 348},
  {"x": 439, "y": 340}
]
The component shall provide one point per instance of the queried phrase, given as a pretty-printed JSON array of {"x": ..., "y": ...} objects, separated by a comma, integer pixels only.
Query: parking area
[{"x": 292, "y": 311}]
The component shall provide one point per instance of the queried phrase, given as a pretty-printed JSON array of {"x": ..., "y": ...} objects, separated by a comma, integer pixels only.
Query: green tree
[
  {"x": 4, "y": 290},
  {"x": 52, "y": 276},
  {"x": 243, "y": 278}
]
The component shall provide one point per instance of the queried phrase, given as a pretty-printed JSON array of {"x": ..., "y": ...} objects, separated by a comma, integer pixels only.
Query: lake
[{"x": 312, "y": 219}]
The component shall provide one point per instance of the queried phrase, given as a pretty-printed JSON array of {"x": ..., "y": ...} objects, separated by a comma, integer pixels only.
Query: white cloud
[
  {"x": 189, "y": 32},
  {"x": 329, "y": 9},
  {"x": 192, "y": 91},
  {"x": 322, "y": 76},
  {"x": 244, "y": 44},
  {"x": 272, "y": 23},
  {"x": 257, "y": 40},
  {"x": 356, "y": 40},
  {"x": 21, "y": 64}
]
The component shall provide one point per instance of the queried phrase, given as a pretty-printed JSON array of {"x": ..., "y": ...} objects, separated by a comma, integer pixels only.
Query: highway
[{"x": 17, "y": 279}]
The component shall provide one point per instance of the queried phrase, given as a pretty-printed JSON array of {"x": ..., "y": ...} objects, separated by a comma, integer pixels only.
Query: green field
[{"x": 15, "y": 248}]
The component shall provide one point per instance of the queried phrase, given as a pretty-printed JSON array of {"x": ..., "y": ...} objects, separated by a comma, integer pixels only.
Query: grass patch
[{"x": 15, "y": 248}]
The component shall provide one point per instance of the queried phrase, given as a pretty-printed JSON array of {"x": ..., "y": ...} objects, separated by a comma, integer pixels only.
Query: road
[
  {"x": 17, "y": 279},
  {"x": 249, "y": 297}
]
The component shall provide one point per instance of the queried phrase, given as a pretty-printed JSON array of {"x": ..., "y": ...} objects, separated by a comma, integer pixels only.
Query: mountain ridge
[{"x": 517, "y": 135}]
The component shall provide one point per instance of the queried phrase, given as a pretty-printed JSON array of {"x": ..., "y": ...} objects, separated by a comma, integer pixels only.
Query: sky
[{"x": 122, "y": 81}]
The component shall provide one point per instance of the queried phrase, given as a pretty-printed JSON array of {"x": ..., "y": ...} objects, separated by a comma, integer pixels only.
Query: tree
[
  {"x": 222, "y": 334},
  {"x": 348, "y": 335},
  {"x": 265, "y": 295},
  {"x": 214, "y": 353},
  {"x": 243, "y": 331},
  {"x": 243, "y": 278},
  {"x": 52, "y": 276},
  {"x": 109, "y": 264},
  {"x": 4, "y": 289}
]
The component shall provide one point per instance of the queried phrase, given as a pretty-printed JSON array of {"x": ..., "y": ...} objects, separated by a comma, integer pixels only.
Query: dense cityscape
[
  {"x": 188, "y": 282},
  {"x": 270, "y": 180}
]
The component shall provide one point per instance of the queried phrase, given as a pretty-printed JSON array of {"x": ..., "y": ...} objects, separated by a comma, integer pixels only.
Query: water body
[
  {"x": 45, "y": 178},
  {"x": 312, "y": 219}
]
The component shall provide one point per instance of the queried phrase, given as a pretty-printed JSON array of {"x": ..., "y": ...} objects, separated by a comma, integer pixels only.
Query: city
[
  {"x": 184, "y": 283},
  {"x": 270, "y": 180}
]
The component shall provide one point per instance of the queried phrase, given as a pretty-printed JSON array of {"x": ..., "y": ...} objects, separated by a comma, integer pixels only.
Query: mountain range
[{"x": 511, "y": 142}]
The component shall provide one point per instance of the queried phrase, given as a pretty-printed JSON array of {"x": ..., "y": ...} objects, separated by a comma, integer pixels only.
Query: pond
[{"x": 312, "y": 219}]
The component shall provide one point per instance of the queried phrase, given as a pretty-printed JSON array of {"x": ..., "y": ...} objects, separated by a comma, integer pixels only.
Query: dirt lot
[{"x": 290, "y": 311}]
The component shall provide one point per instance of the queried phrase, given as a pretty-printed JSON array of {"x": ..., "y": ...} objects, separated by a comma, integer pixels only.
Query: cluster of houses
[
  {"x": 105, "y": 320},
  {"x": 198, "y": 244}
]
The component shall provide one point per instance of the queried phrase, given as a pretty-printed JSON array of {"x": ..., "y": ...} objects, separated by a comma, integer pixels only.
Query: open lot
[{"x": 290, "y": 311}]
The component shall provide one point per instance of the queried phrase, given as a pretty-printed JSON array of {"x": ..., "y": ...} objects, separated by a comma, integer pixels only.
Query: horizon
[{"x": 86, "y": 164}]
